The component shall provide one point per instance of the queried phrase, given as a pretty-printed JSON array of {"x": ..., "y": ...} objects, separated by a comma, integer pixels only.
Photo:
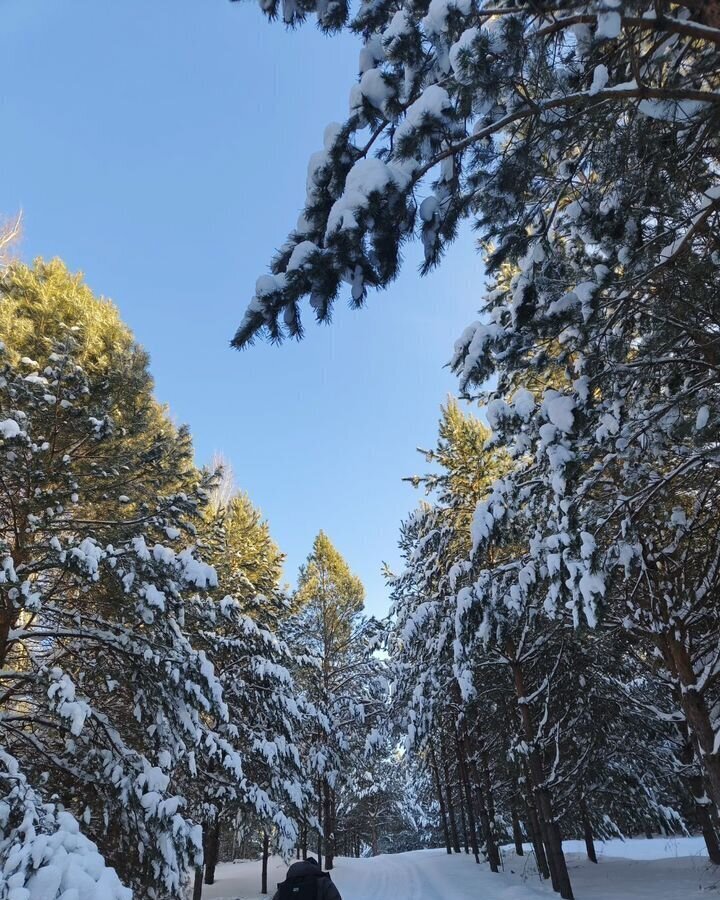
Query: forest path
[
  {"x": 637, "y": 869},
  {"x": 430, "y": 875}
]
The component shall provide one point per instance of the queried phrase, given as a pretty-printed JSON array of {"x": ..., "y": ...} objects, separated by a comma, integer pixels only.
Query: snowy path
[{"x": 634, "y": 870}]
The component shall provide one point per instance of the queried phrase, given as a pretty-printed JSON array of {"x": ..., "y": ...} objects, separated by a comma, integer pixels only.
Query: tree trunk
[
  {"x": 441, "y": 802},
  {"x": 587, "y": 831},
  {"x": 329, "y": 827},
  {"x": 696, "y": 714},
  {"x": 451, "y": 810},
  {"x": 320, "y": 823},
  {"x": 517, "y": 831},
  {"x": 266, "y": 854},
  {"x": 536, "y": 839},
  {"x": 212, "y": 850},
  {"x": 198, "y": 883},
  {"x": 463, "y": 819},
  {"x": 487, "y": 812},
  {"x": 548, "y": 825},
  {"x": 696, "y": 787},
  {"x": 465, "y": 779}
]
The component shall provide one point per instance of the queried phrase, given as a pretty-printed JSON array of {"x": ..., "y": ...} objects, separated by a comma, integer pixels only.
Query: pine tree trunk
[
  {"x": 587, "y": 831},
  {"x": 536, "y": 839},
  {"x": 709, "y": 833},
  {"x": 320, "y": 824},
  {"x": 198, "y": 883},
  {"x": 441, "y": 802},
  {"x": 463, "y": 819},
  {"x": 696, "y": 787},
  {"x": 487, "y": 811},
  {"x": 465, "y": 779},
  {"x": 265, "y": 855},
  {"x": 517, "y": 831},
  {"x": 696, "y": 714},
  {"x": 329, "y": 827},
  {"x": 212, "y": 851},
  {"x": 548, "y": 826},
  {"x": 451, "y": 809}
]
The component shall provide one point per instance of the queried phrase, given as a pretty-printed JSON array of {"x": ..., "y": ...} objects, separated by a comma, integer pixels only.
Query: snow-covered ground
[{"x": 637, "y": 869}]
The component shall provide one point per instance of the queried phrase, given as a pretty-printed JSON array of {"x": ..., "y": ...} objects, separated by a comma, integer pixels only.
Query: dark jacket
[{"x": 326, "y": 889}]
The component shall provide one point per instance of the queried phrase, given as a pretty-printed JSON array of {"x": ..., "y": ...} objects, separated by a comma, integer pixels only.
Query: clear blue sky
[{"x": 160, "y": 146}]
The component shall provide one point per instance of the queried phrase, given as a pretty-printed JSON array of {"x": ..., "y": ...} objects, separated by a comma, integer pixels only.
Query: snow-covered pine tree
[
  {"x": 582, "y": 141},
  {"x": 342, "y": 679},
  {"x": 380, "y": 806},
  {"x": 111, "y": 712},
  {"x": 103, "y": 695},
  {"x": 600, "y": 755},
  {"x": 266, "y": 718}
]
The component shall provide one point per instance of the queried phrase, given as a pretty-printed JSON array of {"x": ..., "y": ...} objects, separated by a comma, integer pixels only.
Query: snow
[
  {"x": 400, "y": 26},
  {"x": 432, "y": 103},
  {"x": 374, "y": 88},
  {"x": 523, "y": 403},
  {"x": 9, "y": 428},
  {"x": 609, "y": 25},
  {"x": 300, "y": 255},
  {"x": 45, "y": 855},
  {"x": 464, "y": 44},
  {"x": 637, "y": 869},
  {"x": 559, "y": 410},
  {"x": 367, "y": 176},
  {"x": 600, "y": 79}
]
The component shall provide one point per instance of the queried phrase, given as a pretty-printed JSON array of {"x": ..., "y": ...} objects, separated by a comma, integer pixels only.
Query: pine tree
[
  {"x": 255, "y": 668},
  {"x": 342, "y": 679},
  {"x": 582, "y": 143},
  {"x": 130, "y": 684}
]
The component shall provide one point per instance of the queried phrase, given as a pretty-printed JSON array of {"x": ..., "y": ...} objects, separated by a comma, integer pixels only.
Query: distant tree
[
  {"x": 255, "y": 669},
  {"x": 10, "y": 234},
  {"x": 341, "y": 675},
  {"x": 237, "y": 540}
]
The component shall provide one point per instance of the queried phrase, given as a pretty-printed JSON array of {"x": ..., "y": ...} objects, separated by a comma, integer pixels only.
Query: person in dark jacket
[{"x": 305, "y": 877}]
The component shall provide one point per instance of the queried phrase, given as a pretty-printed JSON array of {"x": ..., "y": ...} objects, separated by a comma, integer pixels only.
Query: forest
[{"x": 547, "y": 677}]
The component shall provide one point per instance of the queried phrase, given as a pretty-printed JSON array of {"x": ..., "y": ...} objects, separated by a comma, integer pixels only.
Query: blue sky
[{"x": 161, "y": 148}]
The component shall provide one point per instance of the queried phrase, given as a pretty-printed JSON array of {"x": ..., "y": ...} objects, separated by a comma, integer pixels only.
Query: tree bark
[
  {"x": 320, "y": 823},
  {"x": 487, "y": 812},
  {"x": 696, "y": 787},
  {"x": 451, "y": 812},
  {"x": 463, "y": 819},
  {"x": 265, "y": 855},
  {"x": 696, "y": 714},
  {"x": 198, "y": 883},
  {"x": 536, "y": 839},
  {"x": 329, "y": 826},
  {"x": 587, "y": 831},
  {"x": 465, "y": 779},
  {"x": 441, "y": 802},
  {"x": 548, "y": 825},
  {"x": 517, "y": 831},
  {"x": 212, "y": 850},
  {"x": 450, "y": 805}
]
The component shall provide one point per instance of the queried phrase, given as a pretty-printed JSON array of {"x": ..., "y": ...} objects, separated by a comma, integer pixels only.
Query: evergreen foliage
[
  {"x": 581, "y": 142},
  {"x": 343, "y": 678},
  {"x": 136, "y": 695}
]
